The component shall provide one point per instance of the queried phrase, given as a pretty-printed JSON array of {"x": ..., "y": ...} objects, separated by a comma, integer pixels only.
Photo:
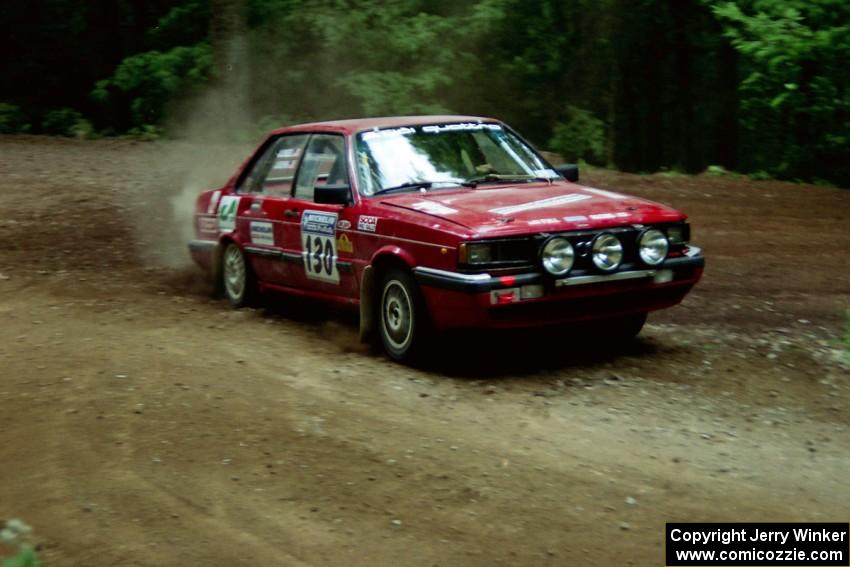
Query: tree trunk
[
  {"x": 228, "y": 99},
  {"x": 227, "y": 38}
]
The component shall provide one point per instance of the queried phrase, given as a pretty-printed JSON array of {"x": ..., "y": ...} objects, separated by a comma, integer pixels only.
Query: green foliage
[
  {"x": 147, "y": 132},
  {"x": 747, "y": 85},
  {"x": 271, "y": 122},
  {"x": 184, "y": 24},
  {"x": 390, "y": 92},
  {"x": 17, "y": 534},
  {"x": 65, "y": 122},
  {"x": 795, "y": 90},
  {"x": 12, "y": 119},
  {"x": 153, "y": 79},
  {"x": 365, "y": 57},
  {"x": 580, "y": 136},
  {"x": 760, "y": 175}
]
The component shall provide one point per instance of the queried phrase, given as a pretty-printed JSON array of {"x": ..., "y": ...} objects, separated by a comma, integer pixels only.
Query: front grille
[
  {"x": 516, "y": 254},
  {"x": 512, "y": 254},
  {"x": 514, "y": 251},
  {"x": 582, "y": 242}
]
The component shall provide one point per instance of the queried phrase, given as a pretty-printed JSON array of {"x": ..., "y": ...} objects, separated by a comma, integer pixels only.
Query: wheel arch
[{"x": 382, "y": 260}]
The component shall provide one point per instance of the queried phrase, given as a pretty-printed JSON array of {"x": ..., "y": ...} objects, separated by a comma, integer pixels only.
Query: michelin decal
[{"x": 262, "y": 233}]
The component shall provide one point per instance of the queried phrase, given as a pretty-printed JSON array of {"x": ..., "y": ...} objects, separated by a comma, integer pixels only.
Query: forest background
[{"x": 755, "y": 86}]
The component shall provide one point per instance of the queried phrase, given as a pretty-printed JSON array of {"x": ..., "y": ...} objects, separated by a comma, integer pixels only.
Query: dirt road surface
[{"x": 143, "y": 423}]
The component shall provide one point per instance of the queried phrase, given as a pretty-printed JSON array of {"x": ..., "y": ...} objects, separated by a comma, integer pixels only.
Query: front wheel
[
  {"x": 238, "y": 282},
  {"x": 625, "y": 329},
  {"x": 604, "y": 333},
  {"x": 403, "y": 318}
]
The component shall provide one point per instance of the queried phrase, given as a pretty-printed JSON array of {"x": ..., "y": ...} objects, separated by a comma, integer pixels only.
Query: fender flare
[{"x": 368, "y": 281}]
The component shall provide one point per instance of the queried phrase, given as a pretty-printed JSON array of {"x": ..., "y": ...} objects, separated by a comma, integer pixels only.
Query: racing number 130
[
  {"x": 320, "y": 256},
  {"x": 318, "y": 246}
]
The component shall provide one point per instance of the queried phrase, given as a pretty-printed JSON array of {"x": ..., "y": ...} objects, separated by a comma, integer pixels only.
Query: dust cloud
[{"x": 208, "y": 137}]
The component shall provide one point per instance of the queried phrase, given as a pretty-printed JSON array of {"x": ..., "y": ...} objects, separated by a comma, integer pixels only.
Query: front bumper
[{"x": 470, "y": 300}]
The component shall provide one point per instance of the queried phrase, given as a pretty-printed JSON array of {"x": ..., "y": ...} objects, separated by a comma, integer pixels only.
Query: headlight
[
  {"x": 653, "y": 246},
  {"x": 678, "y": 234},
  {"x": 477, "y": 253},
  {"x": 607, "y": 252},
  {"x": 557, "y": 256},
  {"x": 498, "y": 253}
]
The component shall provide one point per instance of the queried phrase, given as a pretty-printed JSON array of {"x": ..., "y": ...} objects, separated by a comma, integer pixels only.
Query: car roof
[{"x": 353, "y": 125}]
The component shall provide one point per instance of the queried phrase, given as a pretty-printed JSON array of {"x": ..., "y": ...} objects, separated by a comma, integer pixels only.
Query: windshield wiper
[
  {"x": 407, "y": 186},
  {"x": 497, "y": 178}
]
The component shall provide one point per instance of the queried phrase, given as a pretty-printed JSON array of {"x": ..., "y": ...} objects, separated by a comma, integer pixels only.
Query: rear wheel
[
  {"x": 237, "y": 279},
  {"x": 402, "y": 316}
]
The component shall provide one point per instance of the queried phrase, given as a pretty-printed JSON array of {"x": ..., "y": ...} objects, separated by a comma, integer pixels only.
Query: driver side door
[
  {"x": 319, "y": 233},
  {"x": 268, "y": 188}
]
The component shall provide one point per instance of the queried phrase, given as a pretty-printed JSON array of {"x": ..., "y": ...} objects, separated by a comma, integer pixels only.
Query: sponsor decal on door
[
  {"x": 208, "y": 226},
  {"x": 318, "y": 245},
  {"x": 262, "y": 233},
  {"x": 367, "y": 223},
  {"x": 227, "y": 208},
  {"x": 343, "y": 244}
]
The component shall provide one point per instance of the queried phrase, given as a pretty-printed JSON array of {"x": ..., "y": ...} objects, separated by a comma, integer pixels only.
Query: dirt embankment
[{"x": 142, "y": 423}]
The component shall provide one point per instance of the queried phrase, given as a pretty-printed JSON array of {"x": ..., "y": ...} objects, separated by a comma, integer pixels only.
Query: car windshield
[{"x": 444, "y": 155}]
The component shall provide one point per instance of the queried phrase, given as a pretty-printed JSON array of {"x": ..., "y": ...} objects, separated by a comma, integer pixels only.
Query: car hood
[{"x": 500, "y": 210}]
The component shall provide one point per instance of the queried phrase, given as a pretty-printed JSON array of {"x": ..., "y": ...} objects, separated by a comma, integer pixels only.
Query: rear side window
[
  {"x": 274, "y": 172},
  {"x": 323, "y": 164}
]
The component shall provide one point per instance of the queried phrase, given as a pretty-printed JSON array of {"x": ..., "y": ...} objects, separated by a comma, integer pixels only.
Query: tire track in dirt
[{"x": 144, "y": 424}]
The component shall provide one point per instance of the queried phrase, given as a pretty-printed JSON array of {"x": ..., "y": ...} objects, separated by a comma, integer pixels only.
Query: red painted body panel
[
  {"x": 457, "y": 309},
  {"x": 508, "y": 210},
  {"x": 426, "y": 229}
]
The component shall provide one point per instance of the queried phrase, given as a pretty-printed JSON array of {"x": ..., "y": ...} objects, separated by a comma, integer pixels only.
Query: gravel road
[{"x": 144, "y": 423}]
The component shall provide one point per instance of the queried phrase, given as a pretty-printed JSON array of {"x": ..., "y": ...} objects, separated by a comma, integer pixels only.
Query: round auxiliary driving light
[
  {"x": 607, "y": 252},
  {"x": 653, "y": 246},
  {"x": 558, "y": 256}
]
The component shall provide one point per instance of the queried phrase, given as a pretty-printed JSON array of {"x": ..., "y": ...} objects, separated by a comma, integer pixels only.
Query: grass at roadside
[{"x": 17, "y": 535}]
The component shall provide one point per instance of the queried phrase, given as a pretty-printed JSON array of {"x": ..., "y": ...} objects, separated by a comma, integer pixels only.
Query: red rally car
[{"x": 430, "y": 223}]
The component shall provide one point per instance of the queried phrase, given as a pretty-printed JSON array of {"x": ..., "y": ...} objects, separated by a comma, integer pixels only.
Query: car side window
[
  {"x": 284, "y": 164},
  {"x": 323, "y": 164},
  {"x": 273, "y": 173}
]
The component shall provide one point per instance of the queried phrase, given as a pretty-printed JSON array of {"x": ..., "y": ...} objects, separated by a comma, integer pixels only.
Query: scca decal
[{"x": 367, "y": 223}]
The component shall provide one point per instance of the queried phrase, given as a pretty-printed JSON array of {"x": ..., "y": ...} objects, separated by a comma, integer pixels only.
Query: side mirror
[
  {"x": 332, "y": 194},
  {"x": 569, "y": 171}
]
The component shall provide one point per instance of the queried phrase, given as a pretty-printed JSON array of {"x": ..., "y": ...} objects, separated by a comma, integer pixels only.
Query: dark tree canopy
[{"x": 758, "y": 86}]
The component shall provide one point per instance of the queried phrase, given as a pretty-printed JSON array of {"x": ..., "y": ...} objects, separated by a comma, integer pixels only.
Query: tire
[
  {"x": 597, "y": 336},
  {"x": 403, "y": 322},
  {"x": 625, "y": 329},
  {"x": 237, "y": 279}
]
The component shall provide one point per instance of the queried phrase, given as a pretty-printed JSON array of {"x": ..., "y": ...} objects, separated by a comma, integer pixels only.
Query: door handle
[{"x": 291, "y": 213}]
